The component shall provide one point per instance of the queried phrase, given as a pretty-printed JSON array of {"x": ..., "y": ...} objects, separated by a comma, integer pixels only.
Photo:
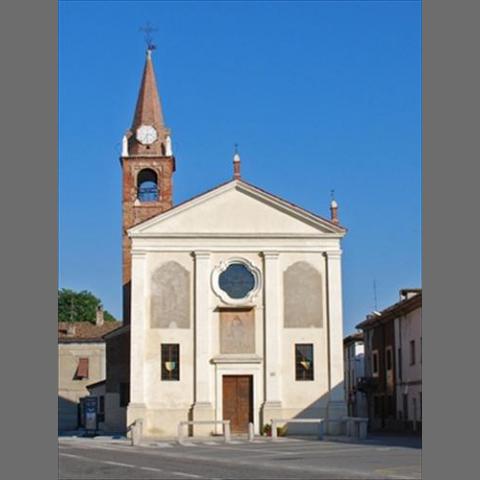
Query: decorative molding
[
  {"x": 235, "y": 235},
  {"x": 273, "y": 255},
  {"x": 333, "y": 254},
  {"x": 282, "y": 205},
  {"x": 139, "y": 254},
  {"x": 237, "y": 358},
  {"x": 201, "y": 254}
]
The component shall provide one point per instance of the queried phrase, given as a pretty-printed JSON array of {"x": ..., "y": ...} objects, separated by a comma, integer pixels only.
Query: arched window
[{"x": 147, "y": 186}]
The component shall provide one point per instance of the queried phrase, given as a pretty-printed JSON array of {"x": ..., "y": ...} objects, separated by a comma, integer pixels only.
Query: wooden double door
[{"x": 238, "y": 401}]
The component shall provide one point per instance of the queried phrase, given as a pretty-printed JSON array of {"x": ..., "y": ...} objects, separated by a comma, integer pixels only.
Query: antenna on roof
[
  {"x": 148, "y": 29},
  {"x": 375, "y": 295}
]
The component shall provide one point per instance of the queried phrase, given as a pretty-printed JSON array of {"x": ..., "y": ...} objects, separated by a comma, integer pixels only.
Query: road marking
[
  {"x": 118, "y": 464},
  {"x": 151, "y": 469},
  {"x": 189, "y": 475},
  {"x": 72, "y": 456}
]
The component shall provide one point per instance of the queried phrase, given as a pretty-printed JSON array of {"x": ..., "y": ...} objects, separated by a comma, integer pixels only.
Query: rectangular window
[
  {"x": 375, "y": 363},
  {"x": 412, "y": 352},
  {"x": 388, "y": 359},
  {"x": 124, "y": 394},
  {"x": 303, "y": 361},
  {"x": 420, "y": 405},
  {"x": 405, "y": 406},
  {"x": 82, "y": 369},
  {"x": 170, "y": 361}
]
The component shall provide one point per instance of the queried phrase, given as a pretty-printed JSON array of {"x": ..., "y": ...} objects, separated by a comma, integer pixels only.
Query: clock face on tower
[{"x": 146, "y": 134}]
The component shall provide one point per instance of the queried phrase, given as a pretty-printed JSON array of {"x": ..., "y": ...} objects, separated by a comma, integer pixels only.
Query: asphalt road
[{"x": 286, "y": 459}]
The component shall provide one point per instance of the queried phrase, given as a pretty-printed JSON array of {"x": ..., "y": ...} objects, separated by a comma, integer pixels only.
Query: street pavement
[{"x": 288, "y": 458}]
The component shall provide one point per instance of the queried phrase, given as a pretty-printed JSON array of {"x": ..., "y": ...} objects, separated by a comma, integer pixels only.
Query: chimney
[
  {"x": 99, "y": 318},
  {"x": 71, "y": 329}
]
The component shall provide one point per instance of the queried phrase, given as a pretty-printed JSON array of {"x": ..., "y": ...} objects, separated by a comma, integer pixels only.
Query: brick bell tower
[{"x": 148, "y": 165}]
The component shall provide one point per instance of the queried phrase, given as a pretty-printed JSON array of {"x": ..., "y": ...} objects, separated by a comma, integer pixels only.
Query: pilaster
[
  {"x": 273, "y": 326},
  {"x": 203, "y": 406},
  {"x": 136, "y": 406},
  {"x": 336, "y": 407}
]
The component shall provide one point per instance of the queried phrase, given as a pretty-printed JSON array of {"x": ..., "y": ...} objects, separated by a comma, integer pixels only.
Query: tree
[{"x": 79, "y": 307}]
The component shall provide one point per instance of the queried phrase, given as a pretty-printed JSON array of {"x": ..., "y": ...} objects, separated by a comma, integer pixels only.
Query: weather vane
[{"x": 148, "y": 29}]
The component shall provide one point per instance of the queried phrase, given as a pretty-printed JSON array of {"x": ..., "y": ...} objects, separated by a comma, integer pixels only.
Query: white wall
[{"x": 408, "y": 328}]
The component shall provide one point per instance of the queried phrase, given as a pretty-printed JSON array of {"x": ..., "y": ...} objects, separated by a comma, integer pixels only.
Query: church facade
[{"x": 233, "y": 299}]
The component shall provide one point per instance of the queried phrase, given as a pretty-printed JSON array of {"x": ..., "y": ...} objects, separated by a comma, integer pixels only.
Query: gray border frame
[
  {"x": 29, "y": 257},
  {"x": 450, "y": 140},
  {"x": 29, "y": 239}
]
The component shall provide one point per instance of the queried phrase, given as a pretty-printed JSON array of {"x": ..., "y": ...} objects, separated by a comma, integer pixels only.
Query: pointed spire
[
  {"x": 236, "y": 164},
  {"x": 148, "y": 112}
]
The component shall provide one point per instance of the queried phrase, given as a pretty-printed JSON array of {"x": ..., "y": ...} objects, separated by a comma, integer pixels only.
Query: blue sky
[{"x": 318, "y": 95}]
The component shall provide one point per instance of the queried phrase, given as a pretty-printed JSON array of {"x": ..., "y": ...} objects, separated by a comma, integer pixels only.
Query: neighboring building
[
  {"x": 393, "y": 376},
  {"x": 354, "y": 368},
  {"x": 232, "y": 299},
  {"x": 81, "y": 361},
  {"x": 408, "y": 334}
]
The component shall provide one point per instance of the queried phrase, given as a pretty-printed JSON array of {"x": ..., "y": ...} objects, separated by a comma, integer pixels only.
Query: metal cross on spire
[
  {"x": 332, "y": 194},
  {"x": 148, "y": 29}
]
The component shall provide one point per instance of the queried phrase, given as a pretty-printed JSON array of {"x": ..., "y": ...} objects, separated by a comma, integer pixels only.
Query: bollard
[
  {"x": 251, "y": 432},
  {"x": 136, "y": 430},
  {"x": 226, "y": 431},
  {"x": 180, "y": 433},
  {"x": 132, "y": 435},
  {"x": 274, "y": 431},
  {"x": 320, "y": 430}
]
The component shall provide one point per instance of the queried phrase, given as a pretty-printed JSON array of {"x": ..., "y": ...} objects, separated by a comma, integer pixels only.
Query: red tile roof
[{"x": 84, "y": 331}]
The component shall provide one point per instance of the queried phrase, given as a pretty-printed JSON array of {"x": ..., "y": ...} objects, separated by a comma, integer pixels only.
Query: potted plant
[{"x": 267, "y": 430}]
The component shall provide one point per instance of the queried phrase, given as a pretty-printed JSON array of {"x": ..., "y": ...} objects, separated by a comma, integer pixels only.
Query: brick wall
[{"x": 135, "y": 212}]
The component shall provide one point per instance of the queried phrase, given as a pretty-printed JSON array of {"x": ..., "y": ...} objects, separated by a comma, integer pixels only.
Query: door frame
[{"x": 253, "y": 367}]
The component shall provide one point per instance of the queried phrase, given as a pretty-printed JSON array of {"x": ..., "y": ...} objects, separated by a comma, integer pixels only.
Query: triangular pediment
[{"x": 236, "y": 208}]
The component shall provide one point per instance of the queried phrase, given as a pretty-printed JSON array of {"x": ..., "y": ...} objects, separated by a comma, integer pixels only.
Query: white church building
[{"x": 234, "y": 297}]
